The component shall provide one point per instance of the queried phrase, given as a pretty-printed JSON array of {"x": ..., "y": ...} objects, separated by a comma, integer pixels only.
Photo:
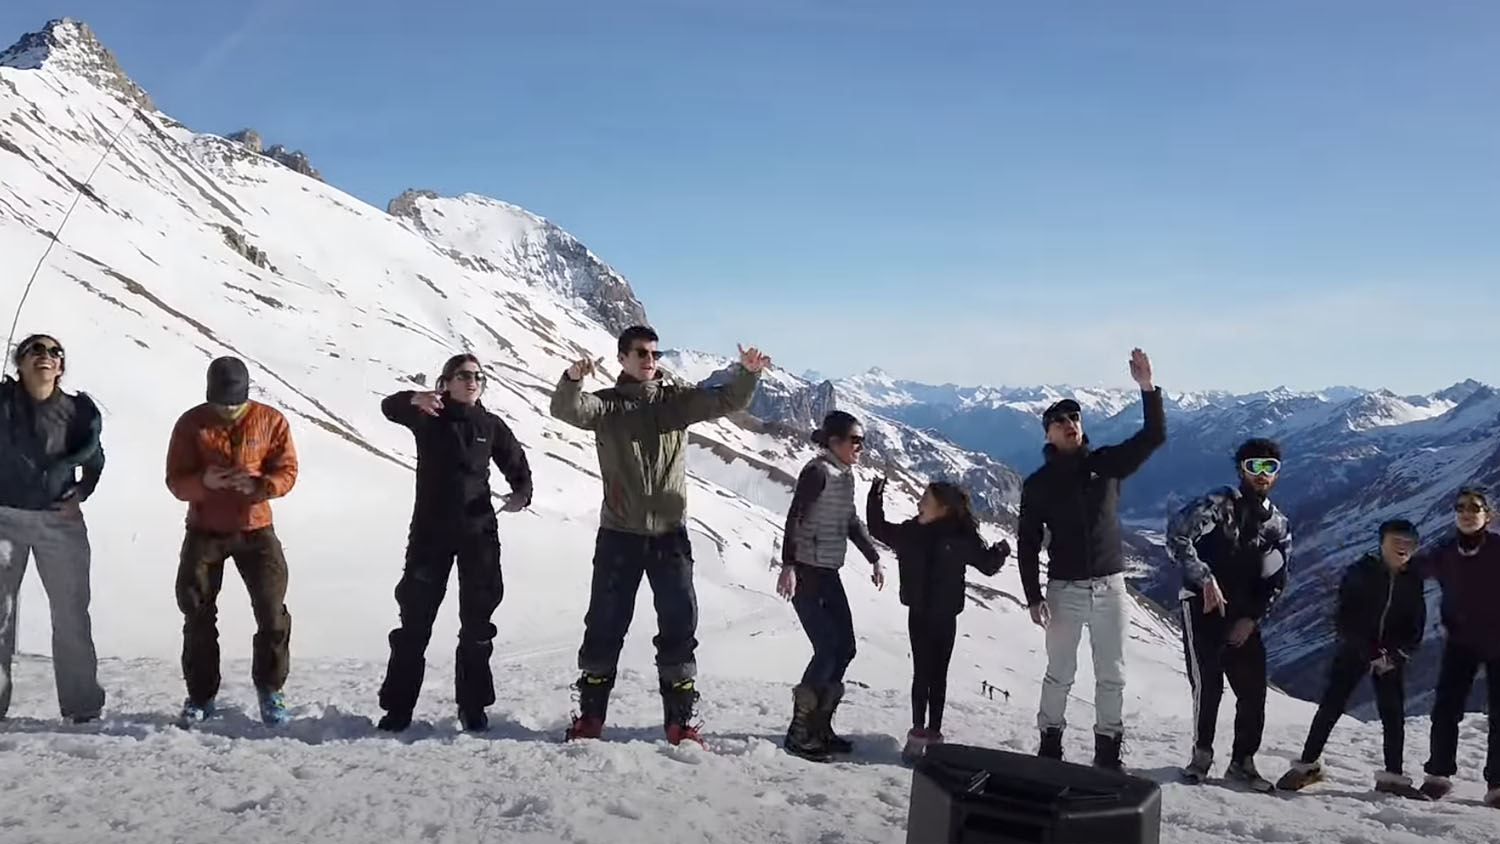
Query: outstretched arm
[
  {"x": 700, "y": 404},
  {"x": 1122, "y": 460},
  {"x": 574, "y": 406},
  {"x": 883, "y": 531}
]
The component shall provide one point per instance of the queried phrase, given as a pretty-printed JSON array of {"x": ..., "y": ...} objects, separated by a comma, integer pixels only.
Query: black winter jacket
[
  {"x": 44, "y": 444},
  {"x": 1380, "y": 610},
  {"x": 931, "y": 558},
  {"x": 1468, "y": 570},
  {"x": 1076, "y": 497},
  {"x": 454, "y": 452}
]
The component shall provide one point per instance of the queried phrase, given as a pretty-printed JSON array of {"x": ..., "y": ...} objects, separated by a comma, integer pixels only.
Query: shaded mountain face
[{"x": 892, "y": 446}]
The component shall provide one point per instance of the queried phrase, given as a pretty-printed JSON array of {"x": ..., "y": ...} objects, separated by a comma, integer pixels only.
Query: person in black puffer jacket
[
  {"x": 933, "y": 549},
  {"x": 452, "y": 518},
  {"x": 1380, "y": 620}
]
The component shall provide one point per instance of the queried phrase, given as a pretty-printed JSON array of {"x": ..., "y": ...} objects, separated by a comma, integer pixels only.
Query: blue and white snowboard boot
[
  {"x": 196, "y": 713},
  {"x": 273, "y": 708}
]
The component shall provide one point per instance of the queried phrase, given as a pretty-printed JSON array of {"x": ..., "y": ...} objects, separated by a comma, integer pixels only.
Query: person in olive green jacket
[{"x": 640, "y": 427}]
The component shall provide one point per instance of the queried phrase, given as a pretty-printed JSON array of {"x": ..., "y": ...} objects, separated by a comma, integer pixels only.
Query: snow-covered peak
[
  {"x": 489, "y": 235},
  {"x": 71, "y": 46}
]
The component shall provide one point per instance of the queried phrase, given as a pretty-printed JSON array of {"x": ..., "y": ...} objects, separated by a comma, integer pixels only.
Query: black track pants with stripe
[{"x": 1211, "y": 660}]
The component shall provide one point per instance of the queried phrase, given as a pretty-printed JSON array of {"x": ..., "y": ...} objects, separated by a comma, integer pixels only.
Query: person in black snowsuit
[
  {"x": 933, "y": 549},
  {"x": 1232, "y": 546},
  {"x": 820, "y": 524},
  {"x": 1467, "y": 567},
  {"x": 1380, "y": 620},
  {"x": 452, "y": 518}
]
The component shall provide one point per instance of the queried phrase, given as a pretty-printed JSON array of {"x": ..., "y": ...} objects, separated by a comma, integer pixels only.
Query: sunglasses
[
  {"x": 469, "y": 375},
  {"x": 1468, "y": 508},
  {"x": 654, "y": 354},
  {"x": 856, "y": 440},
  {"x": 39, "y": 349},
  {"x": 1267, "y": 466}
]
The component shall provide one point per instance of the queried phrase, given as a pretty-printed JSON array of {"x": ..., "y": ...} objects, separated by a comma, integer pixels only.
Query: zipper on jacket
[{"x": 1390, "y": 594}]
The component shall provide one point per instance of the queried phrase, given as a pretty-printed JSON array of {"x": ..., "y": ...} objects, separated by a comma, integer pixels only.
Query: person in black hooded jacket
[
  {"x": 933, "y": 549},
  {"x": 1380, "y": 620},
  {"x": 452, "y": 518}
]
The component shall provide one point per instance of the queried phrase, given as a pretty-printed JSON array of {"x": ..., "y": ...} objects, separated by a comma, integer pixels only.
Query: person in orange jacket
[{"x": 228, "y": 458}]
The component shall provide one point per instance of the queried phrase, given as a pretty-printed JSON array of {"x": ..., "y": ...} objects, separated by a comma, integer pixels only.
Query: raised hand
[
  {"x": 1140, "y": 369},
  {"x": 752, "y": 359},
  {"x": 581, "y": 369},
  {"x": 877, "y": 487},
  {"x": 428, "y": 403}
]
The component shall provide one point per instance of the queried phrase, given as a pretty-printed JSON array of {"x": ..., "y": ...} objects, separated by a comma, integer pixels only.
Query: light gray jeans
[
  {"x": 1103, "y": 606},
  {"x": 61, "y": 547}
]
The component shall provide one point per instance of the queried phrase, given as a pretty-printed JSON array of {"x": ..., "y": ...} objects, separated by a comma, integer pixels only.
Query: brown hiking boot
[{"x": 1436, "y": 788}]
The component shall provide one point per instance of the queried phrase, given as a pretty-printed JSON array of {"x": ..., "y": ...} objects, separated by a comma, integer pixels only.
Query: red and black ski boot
[
  {"x": 678, "y": 702},
  {"x": 593, "y": 703}
]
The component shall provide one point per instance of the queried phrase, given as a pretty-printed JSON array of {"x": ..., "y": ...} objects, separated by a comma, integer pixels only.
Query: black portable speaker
[{"x": 975, "y": 795}]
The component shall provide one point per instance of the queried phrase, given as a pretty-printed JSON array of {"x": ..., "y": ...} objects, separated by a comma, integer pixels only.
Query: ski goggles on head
[{"x": 1267, "y": 466}]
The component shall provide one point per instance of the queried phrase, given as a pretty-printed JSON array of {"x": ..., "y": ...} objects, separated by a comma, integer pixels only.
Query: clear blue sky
[{"x": 1282, "y": 192}]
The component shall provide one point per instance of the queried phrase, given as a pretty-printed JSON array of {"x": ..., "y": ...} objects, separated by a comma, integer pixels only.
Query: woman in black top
[
  {"x": 453, "y": 521},
  {"x": 932, "y": 551}
]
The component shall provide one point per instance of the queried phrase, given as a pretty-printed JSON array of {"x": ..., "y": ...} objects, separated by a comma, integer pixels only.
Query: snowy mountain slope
[
  {"x": 892, "y": 447},
  {"x": 188, "y": 246}
]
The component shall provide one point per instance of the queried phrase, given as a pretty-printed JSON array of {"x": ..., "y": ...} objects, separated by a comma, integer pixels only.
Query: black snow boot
[
  {"x": 1051, "y": 746},
  {"x": 394, "y": 722},
  {"x": 829, "y": 698},
  {"x": 802, "y": 736},
  {"x": 474, "y": 720},
  {"x": 593, "y": 703},
  {"x": 1107, "y": 752},
  {"x": 679, "y": 701}
]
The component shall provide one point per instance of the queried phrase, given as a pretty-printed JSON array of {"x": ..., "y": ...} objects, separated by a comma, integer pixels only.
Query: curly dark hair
[{"x": 1258, "y": 447}]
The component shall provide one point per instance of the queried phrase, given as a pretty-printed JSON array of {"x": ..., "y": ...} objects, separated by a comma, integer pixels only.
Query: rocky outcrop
[
  {"x": 406, "y": 207},
  {"x": 295, "y": 160},
  {"x": 242, "y": 247},
  {"x": 72, "y": 46}
]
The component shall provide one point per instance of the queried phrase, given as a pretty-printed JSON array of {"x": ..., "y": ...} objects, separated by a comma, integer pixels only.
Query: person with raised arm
[
  {"x": 1073, "y": 501},
  {"x": 453, "y": 519},
  {"x": 1232, "y": 547},
  {"x": 933, "y": 550},
  {"x": 820, "y": 524},
  {"x": 640, "y": 433},
  {"x": 50, "y": 462}
]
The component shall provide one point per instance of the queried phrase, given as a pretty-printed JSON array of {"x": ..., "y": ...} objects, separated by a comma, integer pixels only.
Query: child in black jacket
[
  {"x": 932, "y": 551},
  {"x": 1380, "y": 620}
]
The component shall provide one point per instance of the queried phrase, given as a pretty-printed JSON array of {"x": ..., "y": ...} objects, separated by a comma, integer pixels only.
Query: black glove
[
  {"x": 877, "y": 487},
  {"x": 1002, "y": 547}
]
